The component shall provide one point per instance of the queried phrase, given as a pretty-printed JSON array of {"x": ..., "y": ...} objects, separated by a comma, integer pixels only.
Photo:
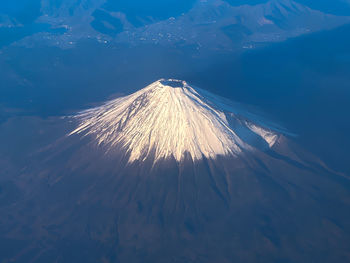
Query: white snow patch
[{"x": 268, "y": 136}]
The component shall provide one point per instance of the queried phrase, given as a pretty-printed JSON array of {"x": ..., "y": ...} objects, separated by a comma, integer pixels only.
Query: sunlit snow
[{"x": 167, "y": 118}]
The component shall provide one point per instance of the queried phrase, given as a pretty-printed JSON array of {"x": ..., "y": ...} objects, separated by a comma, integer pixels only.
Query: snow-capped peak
[{"x": 169, "y": 118}]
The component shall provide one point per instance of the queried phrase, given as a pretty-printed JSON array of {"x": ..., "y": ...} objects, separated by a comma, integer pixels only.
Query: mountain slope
[{"x": 87, "y": 198}]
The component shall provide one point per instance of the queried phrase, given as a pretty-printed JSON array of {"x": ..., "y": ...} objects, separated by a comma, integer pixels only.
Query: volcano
[
  {"x": 168, "y": 119},
  {"x": 174, "y": 173}
]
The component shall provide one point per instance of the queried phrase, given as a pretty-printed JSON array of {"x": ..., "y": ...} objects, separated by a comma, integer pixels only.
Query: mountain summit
[{"x": 169, "y": 118}]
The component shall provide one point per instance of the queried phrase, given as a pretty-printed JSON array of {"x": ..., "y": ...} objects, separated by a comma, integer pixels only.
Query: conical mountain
[
  {"x": 173, "y": 173},
  {"x": 169, "y": 118}
]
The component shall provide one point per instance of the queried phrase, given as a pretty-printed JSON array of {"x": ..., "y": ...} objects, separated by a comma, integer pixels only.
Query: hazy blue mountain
[
  {"x": 204, "y": 25},
  {"x": 73, "y": 190},
  {"x": 217, "y": 25}
]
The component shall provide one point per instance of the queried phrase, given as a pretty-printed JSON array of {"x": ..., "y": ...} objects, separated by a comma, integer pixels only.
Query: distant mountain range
[
  {"x": 218, "y": 25},
  {"x": 202, "y": 25}
]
